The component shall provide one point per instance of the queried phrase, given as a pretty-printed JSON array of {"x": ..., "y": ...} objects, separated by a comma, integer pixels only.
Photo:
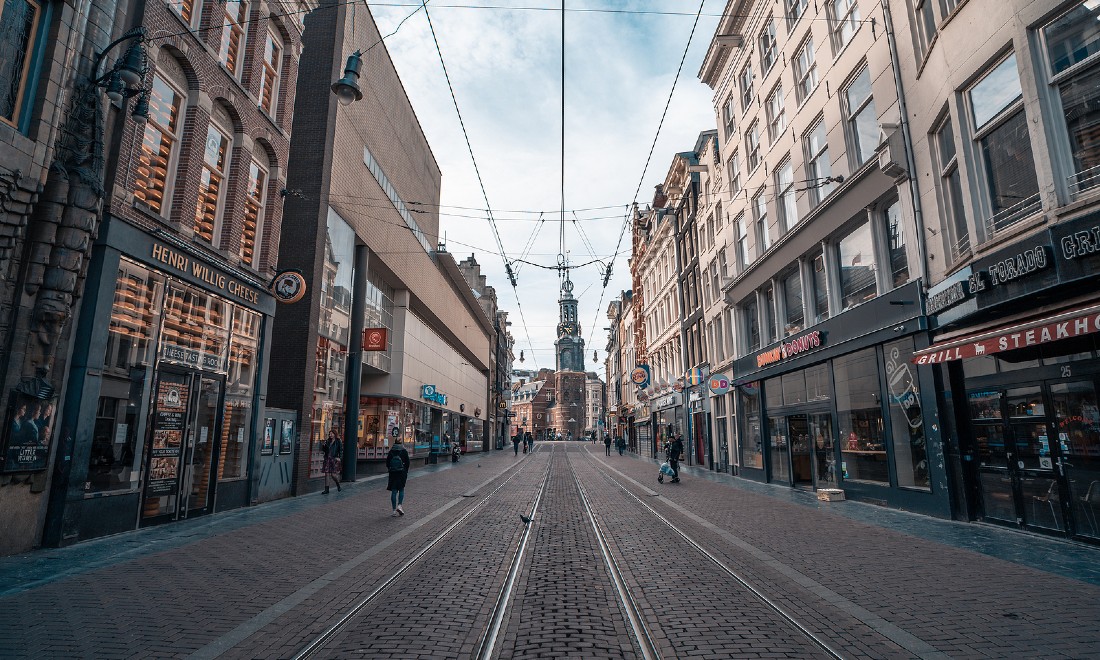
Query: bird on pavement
[{"x": 525, "y": 519}]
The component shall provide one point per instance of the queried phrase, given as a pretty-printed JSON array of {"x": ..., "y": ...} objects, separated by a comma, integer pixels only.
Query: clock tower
[{"x": 570, "y": 346}]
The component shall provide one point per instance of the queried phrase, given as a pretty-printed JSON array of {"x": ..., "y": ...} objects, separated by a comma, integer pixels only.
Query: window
[
  {"x": 188, "y": 10},
  {"x": 19, "y": 23},
  {"x": 895, "y": 238},
  {"x": 232, "y": 47},
  {"x": 906, "y": 419},
  {"x": 253, "y": 212},
  {"x": 925, "y": 22},
  {"x": 734, "y": 167},
  {"x": 819, "y": 170},
  {"x": 1000, "y": 131},
  {"x": 728, "y": 112},
  {"x": 1070, "y": 40},
  {"x": 821, "y": 289},
  {"x": 158, "y": 146},
  {"x": 795, "y": 9},
  {"x": 805, "y": 70},
  {"x": 951, "y": 196},
  {"x": 215, "y": 164},
  {"x": 752, "y": 451},
  {"x": 768, "y": 298},
  {"x": 777, "y": 114},
  {"x": 272, "y": 67},
  {"x": 743, "y": 254},
  {"x": 784, "y": 185},
  {"x": 760, "y": 215},
  {"x": 859, "y": 418},
  {"x": 857, "y": 267},
  {"x": 752, "y": 143},
  {"x": 723, "y": 268},
  {"x": 862, "y": 118},
  {"x": 749, "y": 312},
  {"x": 793, "y": 316},
  {"x": 745, "y": 83},
  {"x": 768, "y": 49},
  {"x": 845, "y": 17},
  {"x": 240, "y": 387}
]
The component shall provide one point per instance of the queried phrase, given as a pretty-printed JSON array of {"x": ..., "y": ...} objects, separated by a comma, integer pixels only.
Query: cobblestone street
[{"x": 709, "y": 567}]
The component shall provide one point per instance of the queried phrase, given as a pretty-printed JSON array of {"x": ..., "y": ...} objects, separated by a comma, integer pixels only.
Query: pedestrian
[
  {"x": 620, "y": 444},
  {"x": 397, "y": 462},
  {"x": 456, "y": 452},
  {"x": 674, "y": 454},
  {"x": 331, "y": 450},
  {"x": 607, "y": 444},
  {"x": 528, "y": 441},
  {"x": 515, "y": 444}
]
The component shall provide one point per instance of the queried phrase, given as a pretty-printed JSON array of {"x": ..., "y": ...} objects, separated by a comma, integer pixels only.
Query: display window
[
  {"x": 859, "y": 418},
  {"x": 239, "y": 392},
  {"x": 752, "y": 450},
  {"x": 906, "y": 416}
]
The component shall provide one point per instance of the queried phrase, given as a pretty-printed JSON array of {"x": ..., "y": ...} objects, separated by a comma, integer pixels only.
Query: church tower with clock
[{"x": 570, "y": 345}]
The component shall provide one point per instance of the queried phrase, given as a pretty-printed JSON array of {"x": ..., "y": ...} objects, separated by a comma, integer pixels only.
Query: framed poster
[
  {"x": 286, "y": 437},
  {"x": 173, "y": 394},
  {"x": 27, "y": 430},
  {"x": 268, "y": 446}
]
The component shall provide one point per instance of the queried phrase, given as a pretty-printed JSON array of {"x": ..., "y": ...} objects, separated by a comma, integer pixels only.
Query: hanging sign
[
  {"x": 719, "y": 384},
  {"x": 288, "y": 286},
  {"x": 640, "y": 375},
  {"x": 374, "y": 339}
]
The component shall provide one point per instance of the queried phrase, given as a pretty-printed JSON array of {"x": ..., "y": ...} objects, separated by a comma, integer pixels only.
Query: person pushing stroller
[{"x": 675, "y": 452}]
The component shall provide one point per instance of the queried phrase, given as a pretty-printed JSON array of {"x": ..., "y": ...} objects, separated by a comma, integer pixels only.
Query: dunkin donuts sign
[{"x": 789, "y": 349}]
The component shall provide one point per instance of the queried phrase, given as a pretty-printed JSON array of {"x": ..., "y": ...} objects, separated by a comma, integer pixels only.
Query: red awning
[{"x": 1065, "y": 325}]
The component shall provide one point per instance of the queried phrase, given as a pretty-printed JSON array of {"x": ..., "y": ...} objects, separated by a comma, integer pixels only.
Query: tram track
[{"x": 319, "y": 642}]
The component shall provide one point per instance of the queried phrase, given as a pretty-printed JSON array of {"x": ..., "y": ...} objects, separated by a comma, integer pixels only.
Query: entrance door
[
  {"x": 824, "y": 452},
  {"x": 779, "y": 451},
  {"x": 1077, "y": 422},
  {"x": 801, "y": 440},
  {"x": 203, "y": 439}
]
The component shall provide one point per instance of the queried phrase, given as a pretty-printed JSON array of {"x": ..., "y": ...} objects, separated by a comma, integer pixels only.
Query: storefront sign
[
  {"x": 289, "y": 286},
  {"x": 1080, "y": 243},
  {"x": 429, "y": 393},
  {"x": 191, "y": 357},
  {"x": 1021, "y": 336},
  {"x": 949, "y": 297},
  {"x": 790, "y": 349},
  {"x": 1018, "y": 265},
  {"x": 640, "y": 375},
  {"x": 195, "y": 269},
  {"x": 374, "y": 339},
  {"x": 719, "y": 384},
  {"x": 667, "y": 401}
]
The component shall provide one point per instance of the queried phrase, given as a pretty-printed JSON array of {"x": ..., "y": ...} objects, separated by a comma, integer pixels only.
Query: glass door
[
  {"x": 821, "y": 431},
  {"x": 1039, "y": 489},
  {"x": 203, "y": 439},
  {"x": 779, "y": 451},
  {"x": 800, "y": 435},
  {"x": 1077, "y": 422},
  {"x": 993, "y": 456},
  {"x": 166, "y": 451}
]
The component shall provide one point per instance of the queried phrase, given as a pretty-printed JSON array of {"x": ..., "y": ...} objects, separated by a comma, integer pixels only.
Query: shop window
[
  {"x": 857, "y": 267},
  {"x": 861, "y": 119},
  {"x": 818, "y": 167},
  {"x": 805, "y": 70},
  {"x": 951, "y": 194},
  {"x": 817, "y": 383},
  {"x": 254, "y": 211},
  {"x": 154, "y": 174},
  {"x": 20, "y": 22},
  {"x": 895, "y": 238},
  {"x": 212, "y": 184},
  {"x": 821, "y": 289},
  {"x": 270, "y": 72},
  {"x": 859, "y": 417},
  {"x": 1072, "y": 42},
  {"x": 768, "y": 48},
  {"x": 777, "y": 114},
  {"x": 794, "y": 388},
  {"x": 794, "y": 317},
  {"x": 906, "y": 416},
  {"x": 745, "y": 87},
  {"x": 196, "y": 327},
  {"x": 844, "y": 21},
  {"x": 1001, "y": 136},
  {"x": 784, "y": 185},
  {"x": 231, "y": 51},
  {"x": 134, "y": 315},
  {"x": 239, "y": 393},
  {"x": 752, "y": 450}
]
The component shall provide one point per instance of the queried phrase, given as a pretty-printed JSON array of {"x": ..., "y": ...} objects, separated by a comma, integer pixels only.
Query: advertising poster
[
  {"x": 268, "y": 446},
  {"x": 173, "y": 394},
  {"x": 27, "y": 432},
  {"x": 286, "y": 437}
]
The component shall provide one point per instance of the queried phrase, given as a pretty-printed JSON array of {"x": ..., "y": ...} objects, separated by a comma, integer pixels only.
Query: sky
[{"x": 504, "y": 58}]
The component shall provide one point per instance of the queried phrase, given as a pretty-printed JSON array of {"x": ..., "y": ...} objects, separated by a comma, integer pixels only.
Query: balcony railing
[
  {"x": 1083, "y": 181},
  {"x": 1013, "y": 214},
  {"x": 960, "y": 247}
]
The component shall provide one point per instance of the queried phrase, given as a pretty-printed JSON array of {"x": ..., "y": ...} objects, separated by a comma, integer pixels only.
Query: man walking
[
  {"x": 515, "y": 443},
  {"x": 674, "y": 454},
  {"x": 397, "y": 463},
  {"x": 607, "y": 444},
  {"x": 620, "y": 444}
]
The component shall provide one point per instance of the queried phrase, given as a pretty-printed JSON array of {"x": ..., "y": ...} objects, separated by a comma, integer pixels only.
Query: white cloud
[{"x": 505, "y": 65}]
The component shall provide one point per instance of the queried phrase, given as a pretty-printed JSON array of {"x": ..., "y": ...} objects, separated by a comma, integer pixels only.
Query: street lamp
[
  {"x": 124, "y": 80},
  {"x": 347, "y": 89}
]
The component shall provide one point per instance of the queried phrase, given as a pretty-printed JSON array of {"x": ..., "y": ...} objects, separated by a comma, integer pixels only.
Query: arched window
[
  {"x": 157, "y": 161},
  {"x": 254, "y": 211},
  {"x": 212, "y": 183},
  {"x": 271, "y": 71},
  {"x": 231, "y": 52}
]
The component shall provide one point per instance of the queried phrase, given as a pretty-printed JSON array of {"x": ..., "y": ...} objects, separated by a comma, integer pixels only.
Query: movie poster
[{"x": 27, "y": 431}]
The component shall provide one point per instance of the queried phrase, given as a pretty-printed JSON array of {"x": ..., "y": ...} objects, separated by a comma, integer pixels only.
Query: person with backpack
[
  {"x": 397, "y": 462},
  {"x": 331, "y": 450},
  {"x": 620, "y": 444},
  {"x": 674, "y": 454}
]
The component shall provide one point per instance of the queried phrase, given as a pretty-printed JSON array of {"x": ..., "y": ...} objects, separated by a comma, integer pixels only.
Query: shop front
[
  {"x": 699, "y": 451},
  {"x": 1017, "y": 342},
  {"x": 841, "y": 406},
  {"x": 668, "y": 420},
  {"x": 165, "y": 385}
]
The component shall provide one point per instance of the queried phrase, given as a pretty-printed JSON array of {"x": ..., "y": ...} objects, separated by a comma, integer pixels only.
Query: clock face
[{"x": 567, "y": 328}]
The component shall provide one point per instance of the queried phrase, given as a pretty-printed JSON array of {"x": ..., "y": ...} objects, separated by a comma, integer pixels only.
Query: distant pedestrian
[
  {"x": 515, "y": 444},
  {"x": 528, "y": 442},
  {"x": 397, "y": 462},
  {"x": 674, "y": 453},
  {"x": 331, "y": 450},
  {"x": 620, "y": 444},
  {"x": 607, "y": 444},
  {"x": 456, "y": 452}
]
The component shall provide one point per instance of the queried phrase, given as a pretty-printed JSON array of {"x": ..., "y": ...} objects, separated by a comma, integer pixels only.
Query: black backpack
[{"x": 395, "y": 464}]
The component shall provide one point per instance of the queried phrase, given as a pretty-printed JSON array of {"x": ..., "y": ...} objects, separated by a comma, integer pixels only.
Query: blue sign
[{"x": 429, "y": 393}]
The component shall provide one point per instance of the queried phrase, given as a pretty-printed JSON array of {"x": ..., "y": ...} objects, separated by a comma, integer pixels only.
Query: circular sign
[
  {"x": 678, "y": 386},
  {"x": 375, "y": 337},
  {"x": 395, "y": 431},
  {"x": 639, "y": 377},
  {"x": 289, "y": 286},
  {"x": 719, "y": 384}
]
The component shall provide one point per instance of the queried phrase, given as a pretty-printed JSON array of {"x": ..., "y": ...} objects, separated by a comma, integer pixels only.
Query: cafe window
[
  {"x": 817, "y": 383},
  {"x": 857, "y": 267},
  {"x": 231, "y": 51},
  {"x": 239, "y": 393},
  {"x": 155, "y": 171},
  {"x": 1072, "y": 42},
  {"x": 20, "y": 22},
  {"x": 821, "y": 289},
  {"x": 752, "y": 450},
  {"x": 269, "y": 74},
  {"x": 906, "y": 418},
  {"x": 254, "y": 210},
  {"x": 859, "y": 418},
  {"x": 212, "y": 183},
  {"x": 895, "y": 238},
  {"x": 794, "y": 318}
]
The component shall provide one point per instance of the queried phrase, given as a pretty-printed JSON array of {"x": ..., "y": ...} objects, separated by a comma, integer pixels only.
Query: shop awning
[{"x": 1035, "y": 332}]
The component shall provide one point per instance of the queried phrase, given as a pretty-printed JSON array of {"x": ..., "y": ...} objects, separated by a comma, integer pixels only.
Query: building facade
[
  {"x": 500, "y": 362},
  {"x": 594, "y": 405}
]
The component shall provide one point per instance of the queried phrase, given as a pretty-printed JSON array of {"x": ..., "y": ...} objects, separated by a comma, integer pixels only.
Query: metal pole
[{"x": 355, "y": 363}]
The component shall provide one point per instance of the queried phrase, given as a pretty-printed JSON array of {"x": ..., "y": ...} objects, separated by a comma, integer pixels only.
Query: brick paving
[{"x": 261, "y": 582}]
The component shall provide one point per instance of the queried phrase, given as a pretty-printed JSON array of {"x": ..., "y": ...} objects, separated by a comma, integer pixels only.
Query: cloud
[{"x": 505, "y": 66}]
